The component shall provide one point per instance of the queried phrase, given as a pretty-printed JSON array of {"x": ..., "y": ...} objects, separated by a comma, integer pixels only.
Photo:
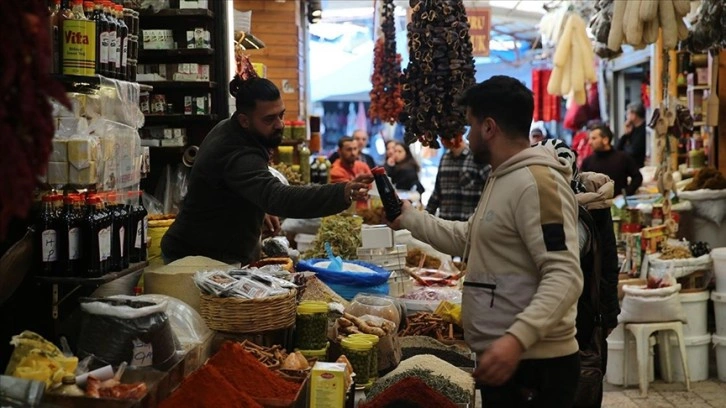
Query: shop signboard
[{"x": 480, "y": 21}]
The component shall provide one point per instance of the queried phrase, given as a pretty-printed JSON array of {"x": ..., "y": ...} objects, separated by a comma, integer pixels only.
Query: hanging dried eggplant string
[
  {"x": 707, "y": 32},
  {"x": 386, "y": 102},
  {"x": 440, "y": 68},
  {"x": 26, "y": 119}
]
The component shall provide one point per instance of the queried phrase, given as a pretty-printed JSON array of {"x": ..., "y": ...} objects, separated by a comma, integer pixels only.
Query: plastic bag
[
  {"x": 118, "y": 330},
  {"x": 152, "y": 205},
  {"x": 708, "y": 204},
  {"x": 641, "y": 305},
  {"x": 187, "y": 323},
  {"x": 377, "y": 275}
]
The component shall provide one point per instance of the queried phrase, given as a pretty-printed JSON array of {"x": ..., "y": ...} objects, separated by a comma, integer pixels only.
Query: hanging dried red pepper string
[
  {"x": 386, "y": 101},
  {"x": 26, "y": 123}
]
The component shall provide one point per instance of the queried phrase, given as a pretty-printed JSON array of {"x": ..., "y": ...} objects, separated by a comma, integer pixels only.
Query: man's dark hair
[
  {"x": 343, "y": 140},
  {"x": 248, "y": 91},
  {"x": 638, "y": 109},
  {"x": 504, "y": 99},
  {"x": 604, "y": 131}
]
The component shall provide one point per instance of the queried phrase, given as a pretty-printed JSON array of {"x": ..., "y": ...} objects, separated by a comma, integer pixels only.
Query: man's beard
[
  {"x": 272, "y": 141},
  {"x": 483, "y": 155}
]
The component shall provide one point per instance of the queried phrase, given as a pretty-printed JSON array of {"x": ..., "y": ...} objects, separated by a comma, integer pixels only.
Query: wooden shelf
[
  {"x": 170, "y": 13},
  {"x": 78, "y": 83},
  {"x": 699, "y": 124},
  {"x": 180, "y": 84},
  {"x": 699, "y": 88},
  {"x": 151, "y": 120},
  {"x": 111, "y": 276},
  {"x": 177, "y": 52}
]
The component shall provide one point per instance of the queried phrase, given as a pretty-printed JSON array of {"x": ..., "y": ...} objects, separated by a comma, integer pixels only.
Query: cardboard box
[
  {"x": 168, "y": 134},
  {"x": 327, "y": 385},
  {"x": 174, "y": 142},
  {"x": 190, "y": 39},
  {"x": 376, "y": 236},
  {"x": 188, "y": 108},
  {"x": 80, "y": 152},
  {"x": 57, "y": 173},
  {"x": 60, "y": 151}
]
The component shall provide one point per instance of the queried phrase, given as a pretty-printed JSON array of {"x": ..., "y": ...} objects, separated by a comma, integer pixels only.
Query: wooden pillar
[
  {"x": 280, "y": 27},
  {"x": 720, "y": 139}
]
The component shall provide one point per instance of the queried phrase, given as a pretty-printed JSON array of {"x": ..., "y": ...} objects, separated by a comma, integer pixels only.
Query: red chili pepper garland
[
  {"x": 26, "y": 122},
  {"x": 386, "y": 102}
]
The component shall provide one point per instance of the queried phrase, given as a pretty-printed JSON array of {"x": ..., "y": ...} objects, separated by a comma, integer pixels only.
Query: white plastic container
[
  {"x": 719, "y": 268},
  {"x": 719, "y": 343},
  {"x": 719, "y": 308},
  {"x": 614, "y": 373},
  {"x": 695, "y": 306},
  {"x": 304, "y": 241},
  {"x": 697, "y": 355}
]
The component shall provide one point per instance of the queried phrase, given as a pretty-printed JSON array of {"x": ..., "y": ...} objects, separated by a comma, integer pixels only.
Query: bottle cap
[{"x": 379, "y": 171}]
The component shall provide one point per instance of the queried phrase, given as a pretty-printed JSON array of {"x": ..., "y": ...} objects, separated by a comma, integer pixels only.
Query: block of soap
[
  {"x": 60, "y": 151},
  {"x": 57, "y": 173},
  {"x": 80, "y": 152},
  {"x": 83, "y": 176}
]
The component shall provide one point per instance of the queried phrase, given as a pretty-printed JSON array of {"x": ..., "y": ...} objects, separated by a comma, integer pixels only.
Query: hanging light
[{"x": 315, "y": 11}]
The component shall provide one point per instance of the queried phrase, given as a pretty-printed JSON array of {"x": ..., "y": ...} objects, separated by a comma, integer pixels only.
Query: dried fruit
[
  {"x": 440, "y": 68},
  {"x": 26, "y": 122},
  {"x": 386, "y": 102}
]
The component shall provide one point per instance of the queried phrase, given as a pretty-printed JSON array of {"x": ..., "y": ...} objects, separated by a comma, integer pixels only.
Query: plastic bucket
[
  {"x": 697, "y": 355},
  {"x": 719, "y": 308},
  {"x": 695, "y": 307},
  {"x": 304, "y": 242},
  {"x": 614, "y": 371},
  {"x": 719, "y": 268},
  {"x": 719, "y": 343}
]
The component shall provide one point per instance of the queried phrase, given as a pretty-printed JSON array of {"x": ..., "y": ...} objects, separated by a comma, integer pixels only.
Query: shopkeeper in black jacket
[{"x": 231, "y": 191}]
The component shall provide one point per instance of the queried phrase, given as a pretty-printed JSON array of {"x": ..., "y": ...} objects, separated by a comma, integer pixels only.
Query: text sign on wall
[{"x": 480, "y": 20}]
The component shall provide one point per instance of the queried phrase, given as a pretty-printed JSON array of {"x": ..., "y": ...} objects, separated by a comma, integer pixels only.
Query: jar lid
[
  {"x": 367, "y": 337},
  {"x": 312, "y": 307},
  {"x": 356, "y": 344}
]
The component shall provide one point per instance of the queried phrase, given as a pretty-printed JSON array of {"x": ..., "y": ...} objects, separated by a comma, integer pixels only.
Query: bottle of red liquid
[
  {"x": 94, "y": 238},
  {"x": 391, "y": 203},
  {"x": 47, "y": 236}
]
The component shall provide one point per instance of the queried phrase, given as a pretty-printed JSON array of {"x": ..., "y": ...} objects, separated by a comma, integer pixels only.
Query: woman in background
[{"x": 402, "y": 167}]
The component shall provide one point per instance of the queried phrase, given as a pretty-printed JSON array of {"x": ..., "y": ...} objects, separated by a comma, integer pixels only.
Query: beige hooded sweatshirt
[{"x": 524, "y": 274}]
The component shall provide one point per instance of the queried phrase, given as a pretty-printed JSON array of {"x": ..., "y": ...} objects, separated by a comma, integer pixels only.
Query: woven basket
[{"x": 236, "y": 315}]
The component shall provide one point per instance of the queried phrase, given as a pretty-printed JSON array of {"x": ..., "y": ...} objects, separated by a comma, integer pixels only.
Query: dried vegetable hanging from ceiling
[
  {"x": 440, "y": 68},
  {"x": 26, "y": 120},
  {"x": 386, "y": 102},
  {"x": 708, "y": 31},
  {"x": 574, "y": 62},
  {"x": 636, "y": 23}
]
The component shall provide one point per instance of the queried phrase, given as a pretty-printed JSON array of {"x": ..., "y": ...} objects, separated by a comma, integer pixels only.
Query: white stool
[{"x": 642, "y": 332}]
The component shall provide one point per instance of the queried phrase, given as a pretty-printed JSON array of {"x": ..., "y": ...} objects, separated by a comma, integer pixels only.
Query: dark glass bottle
[
  {"x": 112, "y": 32},
  {"x": 101, "y": 39},
  {"x": 389, "y": 198},
  {"x": 94, "y": 238},
  {"x": 137, "y": 221},
  {"x": 121, "y": 43},
  {"x": 119, "y": 247},
  {"x": 69, "y": 239},
  {"x": 47, "y": 236}
]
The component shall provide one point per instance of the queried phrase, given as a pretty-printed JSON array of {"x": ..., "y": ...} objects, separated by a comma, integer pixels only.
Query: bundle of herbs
[{"x": 342, "y": 231}]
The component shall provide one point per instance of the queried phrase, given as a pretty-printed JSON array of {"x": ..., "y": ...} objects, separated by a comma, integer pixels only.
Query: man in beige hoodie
[{"x": 524, "y": 278}]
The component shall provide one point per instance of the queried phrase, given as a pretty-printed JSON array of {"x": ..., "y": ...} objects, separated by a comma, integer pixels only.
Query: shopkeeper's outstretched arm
[{"x": 248, "y": 176}]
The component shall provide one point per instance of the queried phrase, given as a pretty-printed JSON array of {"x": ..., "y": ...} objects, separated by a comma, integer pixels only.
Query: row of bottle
[
  {"x": 80, "y": 236},
  {"x": 90, "y": 38},
  {"x": 319, "y": 170}
]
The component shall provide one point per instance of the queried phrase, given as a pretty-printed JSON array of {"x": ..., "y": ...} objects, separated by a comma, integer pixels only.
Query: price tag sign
[{"x": 143, "y": 354}]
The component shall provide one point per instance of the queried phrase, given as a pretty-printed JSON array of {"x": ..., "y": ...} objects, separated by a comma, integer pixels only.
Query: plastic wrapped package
[
  {"x": 156, "y": 5},
  {"x": 187, "y": 323},
  {"x": 120, "y": 102},
  {"x": 119, "y": 153},
  {"x": 348, "y": 283},
  {"x": 57, "y": 174},
  {"x": 71, "y": 126},
  {"x": 60, "y": 150},
  {"x": 118, "y": 330}
]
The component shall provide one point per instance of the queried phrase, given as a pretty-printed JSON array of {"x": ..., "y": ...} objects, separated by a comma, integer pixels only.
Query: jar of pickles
[
  {"x": 287, "y": 130},
  {"x": 358, "y": 351},
  {"x": 374, "y": 352},
  {"x": 311, "y": 325},
  {"x": 286, "y": 154},
  {"x": 299, "y": 131}
]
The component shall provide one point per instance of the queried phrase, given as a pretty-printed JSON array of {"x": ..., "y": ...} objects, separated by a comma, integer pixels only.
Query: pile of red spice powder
[
  {"x": 245, "y": 373},
  {"x": 410, "y": 390},
  {"x": 205, "y": 388}
]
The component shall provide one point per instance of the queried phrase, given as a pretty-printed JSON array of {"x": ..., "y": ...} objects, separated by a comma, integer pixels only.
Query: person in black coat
[{"x": 403, "y": 169}]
